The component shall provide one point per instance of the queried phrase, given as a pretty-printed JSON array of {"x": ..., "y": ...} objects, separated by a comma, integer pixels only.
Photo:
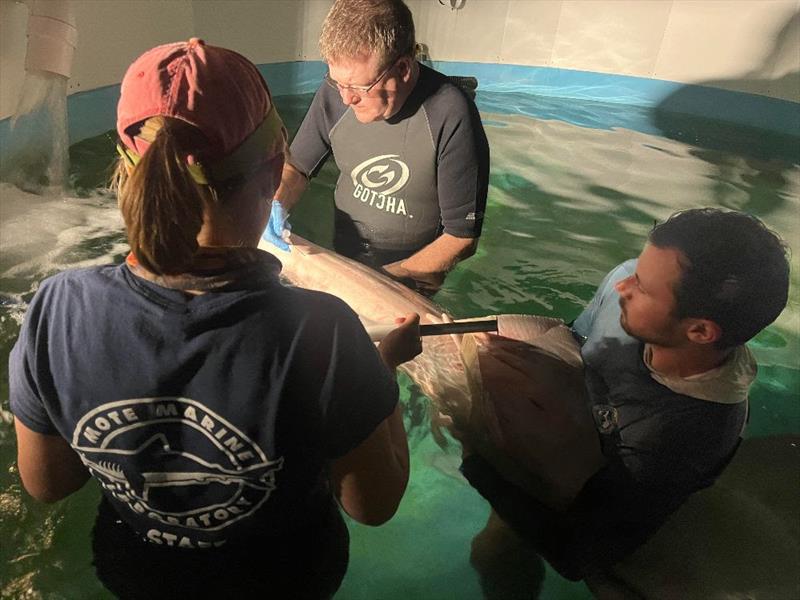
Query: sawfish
[
  {"x": 378, "y": 300},
  {"x": 449, "y": 369}
]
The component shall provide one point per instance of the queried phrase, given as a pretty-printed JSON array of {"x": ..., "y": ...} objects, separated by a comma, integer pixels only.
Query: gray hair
[{"x": 354, "y": 28}]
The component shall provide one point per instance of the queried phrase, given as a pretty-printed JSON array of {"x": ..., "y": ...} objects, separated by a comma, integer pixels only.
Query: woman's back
[
  {"x": 221, "y": 412},
  {"x": 202, "y": 408}
]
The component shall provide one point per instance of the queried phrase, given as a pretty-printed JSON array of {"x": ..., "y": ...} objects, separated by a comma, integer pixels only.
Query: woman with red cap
[{"x": 220, "y": 411}]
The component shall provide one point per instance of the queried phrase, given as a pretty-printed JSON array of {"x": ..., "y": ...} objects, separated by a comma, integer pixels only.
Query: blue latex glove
[{"x": 278, "y": 227}]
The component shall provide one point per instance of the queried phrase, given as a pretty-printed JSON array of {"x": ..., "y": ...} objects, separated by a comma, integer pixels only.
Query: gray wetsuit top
[{"x": 404, "y": 180}]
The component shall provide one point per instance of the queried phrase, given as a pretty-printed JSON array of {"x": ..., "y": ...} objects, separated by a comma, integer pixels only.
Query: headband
[{"x": 267, "y": 141}]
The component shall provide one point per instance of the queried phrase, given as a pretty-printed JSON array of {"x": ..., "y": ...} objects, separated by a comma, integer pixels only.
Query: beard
[
  {"x": 623, "y": 321},
  {"x": 663, "y": 336}
]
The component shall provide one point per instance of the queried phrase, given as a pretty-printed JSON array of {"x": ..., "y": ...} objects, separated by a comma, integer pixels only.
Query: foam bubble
[{"x": 41, "y": 235}]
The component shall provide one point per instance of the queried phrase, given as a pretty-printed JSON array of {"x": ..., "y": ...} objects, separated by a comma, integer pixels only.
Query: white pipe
[{"x": 52, "y": 37}]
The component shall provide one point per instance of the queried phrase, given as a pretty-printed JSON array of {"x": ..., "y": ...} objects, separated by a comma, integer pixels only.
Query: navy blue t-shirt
[{"x": 204, "y": 418}]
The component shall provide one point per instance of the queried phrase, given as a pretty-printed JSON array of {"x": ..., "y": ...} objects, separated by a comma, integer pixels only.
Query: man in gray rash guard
[{"x": 410, "y": 146}]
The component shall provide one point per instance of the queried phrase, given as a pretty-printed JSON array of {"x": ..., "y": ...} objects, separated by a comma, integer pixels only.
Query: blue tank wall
[{"x": 93, "y": 112}]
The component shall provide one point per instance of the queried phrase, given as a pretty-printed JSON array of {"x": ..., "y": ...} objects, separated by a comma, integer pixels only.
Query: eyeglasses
[{"x": 360, "y": 90}]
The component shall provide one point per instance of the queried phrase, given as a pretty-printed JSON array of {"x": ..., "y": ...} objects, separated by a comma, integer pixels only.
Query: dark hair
[
  {"x": 735, "y": 270},
  {"x": 161, "y": 203}
]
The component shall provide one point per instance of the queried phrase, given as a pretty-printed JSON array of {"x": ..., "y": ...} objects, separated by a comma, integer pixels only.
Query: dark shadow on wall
[{"x": 745, "y": 126}]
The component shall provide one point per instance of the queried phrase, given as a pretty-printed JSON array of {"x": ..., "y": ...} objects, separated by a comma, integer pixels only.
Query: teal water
[{"x": 575, "y": 187}]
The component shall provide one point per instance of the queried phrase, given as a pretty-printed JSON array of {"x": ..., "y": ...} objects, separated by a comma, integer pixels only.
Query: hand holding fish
[
  {"x": 539, "y": 416},
  {"x": 423, "y": 282},
  {"x": 278, "y": 227},
  {"x": 402, "y": 343}
]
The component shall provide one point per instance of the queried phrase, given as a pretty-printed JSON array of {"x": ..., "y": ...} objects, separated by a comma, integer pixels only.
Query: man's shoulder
[
  {"x": 327, "y": 106},
  {"x": 328, "y": 96},
  {"x": 623, "y": 269},
  {"x": 441, "y": 94},
  {"x": 602, "y": 312}
]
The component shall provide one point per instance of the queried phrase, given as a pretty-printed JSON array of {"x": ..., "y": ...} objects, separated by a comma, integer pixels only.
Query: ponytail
[{"x": 161, "y": 203}]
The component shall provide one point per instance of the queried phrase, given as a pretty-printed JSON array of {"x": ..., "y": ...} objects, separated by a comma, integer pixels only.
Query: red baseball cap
[{"x": 217, "y": 90}]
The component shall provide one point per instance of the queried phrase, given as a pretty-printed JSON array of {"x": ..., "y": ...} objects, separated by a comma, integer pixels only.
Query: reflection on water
[{"x": 575, "y": 187}]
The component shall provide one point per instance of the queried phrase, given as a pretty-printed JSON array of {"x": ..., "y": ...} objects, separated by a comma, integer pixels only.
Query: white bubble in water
[{"x": 41, "y": 235}]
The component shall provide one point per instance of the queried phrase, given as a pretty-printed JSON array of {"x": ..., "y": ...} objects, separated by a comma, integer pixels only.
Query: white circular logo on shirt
[
  {"x": 385, "y": 174},
  {"x": 175, "y": 462}
]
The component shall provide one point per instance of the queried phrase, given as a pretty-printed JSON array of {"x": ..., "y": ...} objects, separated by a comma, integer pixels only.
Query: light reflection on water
[{"x": 575, "y": 187}]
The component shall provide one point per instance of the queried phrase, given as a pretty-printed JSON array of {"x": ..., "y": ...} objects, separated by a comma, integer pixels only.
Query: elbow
[
  {"x": 374, "y": 520},
  {"x": 48, "y": 498},
  {"x": 44, "y": 495},
  {"x": 48, "y": 467},
  {"x": 377, "y": 508},
  {"x": 470, "y": 249},
  {"x": 52, "y": 491},
  {"x": 375, "y": 516}
]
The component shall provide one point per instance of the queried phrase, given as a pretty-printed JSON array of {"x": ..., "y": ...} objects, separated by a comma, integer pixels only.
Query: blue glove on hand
[{"x": 278, "y": 228}]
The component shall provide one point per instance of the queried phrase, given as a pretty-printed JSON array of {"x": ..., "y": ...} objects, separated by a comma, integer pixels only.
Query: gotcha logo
[
  {"x": 377, "y": 179},
  {"x": 177, "y": 463}
]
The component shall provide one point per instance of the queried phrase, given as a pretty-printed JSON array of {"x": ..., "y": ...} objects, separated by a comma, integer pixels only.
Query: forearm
[
  {"x": 440, "y": 255},
  {"x": 429, "y": 266},
  {"x": 293, "y": 184}
]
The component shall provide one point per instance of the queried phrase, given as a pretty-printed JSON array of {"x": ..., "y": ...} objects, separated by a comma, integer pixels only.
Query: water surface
[{"x": 574, "y": 189}]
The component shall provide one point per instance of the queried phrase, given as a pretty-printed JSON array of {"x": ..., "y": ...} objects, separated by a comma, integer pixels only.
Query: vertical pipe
[
  {"x": 36, "y": 156},
  {"x": 52, "y": 37}
]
